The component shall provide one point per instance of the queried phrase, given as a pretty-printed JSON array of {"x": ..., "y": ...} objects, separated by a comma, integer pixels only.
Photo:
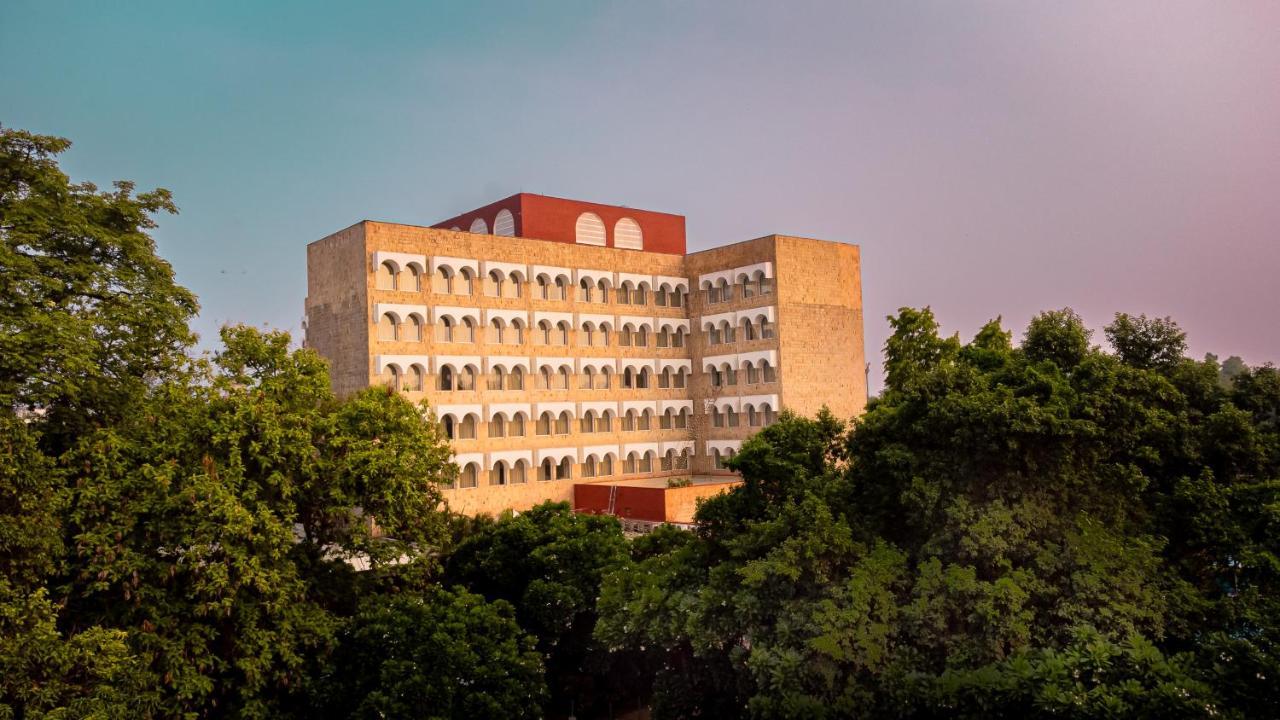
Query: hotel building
[{"x": 574, "y": 351}]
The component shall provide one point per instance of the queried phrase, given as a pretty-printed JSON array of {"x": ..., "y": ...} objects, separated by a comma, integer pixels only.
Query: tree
[
  {"x": 1147, "y": 343},
  {"x": 184, "y": 519},
  {"x": 1058, "y": 336},
  {"x": 548, "y": 563},
  {"x": 89, "y": 314},
  {"x": 435, "y": 654},
  {"x": 1048, "y": 529}
]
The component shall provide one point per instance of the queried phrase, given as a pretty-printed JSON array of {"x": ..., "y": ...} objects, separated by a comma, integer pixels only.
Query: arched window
[
  {"x": 562, "y": 288},
  {"x": 646, "y": 462},
  {"x": 682, "y": 378},
  {"x": 391, "y": 377},
  {"x": 682, "y": 418},
  {"x": 605, "y": 329},
  {"x": 604, "y": 382},
  {"x": 750, "y": 411},
  {"x": 586, "y": 378},
  {"x": 668, "y": 459},
  {"x": 444, "y": 329},
  {"x": 660, "y": 295},
  {"x": 664, "y": 337},
  {"x": 640, "y": 296},
  {"x": 748, "y": 330},
  {"x": 415, "y": 329},
  {"x": 479, "y": 226},
  {"x": 494, "y": 287},
  {"x": 589, "y": 230},
  {"x": 624, "y": 293},
  {"x": 495, "y": 331},
  {"x": 496, "y": 377},
  {"x": 726, "y": 331},
  {"x": 587, "y": 335},
  {"x": 729, "y": 374},
  {"x": 714, "y": 336},
  {"x": 628, "y": 378},
  {"x": 515, "y": 428},
  {"x": 544, "y": 332},
  {"x": 725, "y": 292},
  {"x": 416, "y": 379},
  {"x": 604, "y": 423},
  {"x": 667, "y": 421},
  {"x": 415, "y": 278},
  {"x": 564, "y": 470},
  {"x": 544, "y": 287},
  {"x": 446, "y": 377},
  {"x": 717, "y": 417},
  {"x": 562, "y": 423},
  {"x": 387, "y": 276},
  {"x": 766, "y": 328},
  {"x": 641, "y": 338},
  {"x": 387, "y": 327},
  {"x": 588, "y": 422},
  {"x": 643, "y": 378},
  {"x": 547, "y": 470},
  {"x": 629, "y": 421},
  {"x": 624, "y": 335},
  {"x": 770, "y": 372},
  {"x": 515, "y": 379},
  {"x": 677, "y": 297},
  {"x": 450, "y": 426},
  {"x": 677, "y": 338},
  {"x": 498, "y": 474},
  {"x": 516, "y": 335},
  {"x": 562, "y": 333},
  {"x": 466, "y": 331},
  {"x": 498, "y": 426},
  {"x": 466, "y": 286},
  {"x": 442, "y": 280},
  {"x": 604, "y": 291},
  {"x": 467, "y": 428},
  {"x": 585, "y": 289},
  {"x": 664, "y": 378},
  {"x": 504, "y": 224},
  {"x": 467, "y": 378},
  {"x": 589, "y": 467},
  {"x": 746, "y": 287},
  {"x": 515, "y": 285},
  {"x": 545, "y": 377},
  {"x": 562, "y": 378},
  {"x": 768, "y": 415},
  {"x": 645, "y": 420},
  {"x": 765, "y": 283},
  {"x": 627, "y": 235},
  {"x": 544, "y": 424},
  {"x": 469, "y": 477},
  {"x": 753, "y": 374},
  {"x": 518, "y": 472}
]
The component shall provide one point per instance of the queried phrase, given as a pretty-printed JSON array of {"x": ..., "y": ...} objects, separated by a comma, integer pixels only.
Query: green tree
[
  {"x": 1147, "y": 343},
  {"x": 1058, "y": 336},
  {"x": 89, "y": 314},
  {"x": 548, "y": 562},
  {"x": 435, "y": 654}
]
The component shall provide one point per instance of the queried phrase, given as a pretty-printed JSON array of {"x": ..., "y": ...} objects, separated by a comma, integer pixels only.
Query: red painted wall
[
  {"x": 551, "y": 218},
  {"x": 632, "y": 503}
]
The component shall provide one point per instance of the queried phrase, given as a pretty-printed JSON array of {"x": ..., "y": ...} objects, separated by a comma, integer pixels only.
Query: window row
[
  {"x": 500, "y": 332},
  {"x": 446, "y": 281},
  {"x": 746, "y": 330},
  {"x": 762, "y": 416},
  {"x": 593, "y": 467},
  {"x": 744, "y": 287},
  {"x": 547, "y": 378},
  {"x": 548, "y": 423},
  {"x": 757, "y": 373}
]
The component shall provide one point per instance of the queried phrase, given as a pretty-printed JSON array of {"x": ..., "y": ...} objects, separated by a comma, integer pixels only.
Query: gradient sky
[{"x": 993, "y": 158}]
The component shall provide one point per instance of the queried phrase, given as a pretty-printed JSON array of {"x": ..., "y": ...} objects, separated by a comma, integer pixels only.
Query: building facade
[{"x": 565, "y": 343}]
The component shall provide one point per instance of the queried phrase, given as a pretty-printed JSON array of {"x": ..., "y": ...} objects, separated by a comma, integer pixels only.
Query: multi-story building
[{"x": 565, "y": 343}]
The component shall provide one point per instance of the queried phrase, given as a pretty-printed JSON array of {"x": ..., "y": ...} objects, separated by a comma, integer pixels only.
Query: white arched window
[
  {"x": 627, "y": 235},
  {"x": 589, "y": 229},
  {"x": 478, "y": 226},
  {"x": 504, "y": 224},
  {"x": 386, "y": 276}
]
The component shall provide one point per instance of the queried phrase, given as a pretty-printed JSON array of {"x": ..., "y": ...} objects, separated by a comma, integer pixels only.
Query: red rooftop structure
[{"x": 573, "y": 221}]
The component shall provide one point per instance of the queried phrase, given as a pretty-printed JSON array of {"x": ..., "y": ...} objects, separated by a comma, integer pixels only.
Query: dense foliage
[
  {"x": 1048, "y": 529},
  {"x": 1043, "y": 530}
]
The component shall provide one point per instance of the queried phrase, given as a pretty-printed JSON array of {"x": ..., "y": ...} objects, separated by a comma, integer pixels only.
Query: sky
[{"x": 989, "y": 158}]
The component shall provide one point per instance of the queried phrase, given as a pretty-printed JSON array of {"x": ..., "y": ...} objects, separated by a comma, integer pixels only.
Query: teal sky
[{"x": 991, "y": 158}]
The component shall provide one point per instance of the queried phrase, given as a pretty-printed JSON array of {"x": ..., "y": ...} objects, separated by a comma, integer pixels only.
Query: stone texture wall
[{"x": 336, "y": 307}]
